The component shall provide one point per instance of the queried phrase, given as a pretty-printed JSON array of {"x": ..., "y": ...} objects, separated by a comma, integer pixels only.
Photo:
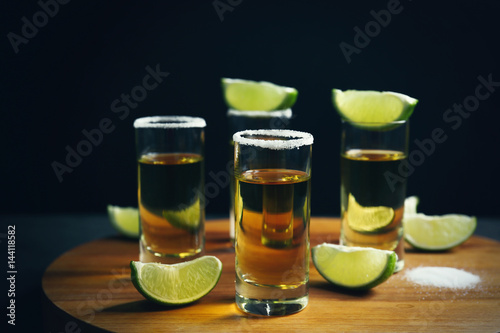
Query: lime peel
[
  {"x": 125, "y": 220},
  {"x": 368, "y": 219},
  {"x": 356, "y": 268},
  {"x": 438, "y": 232},
  {"x": 188, "y": 218},
  {"x": 176, "y": 284},
  {"x": 435, "y": 232},
  {"x": 247, "y": 95},
  {"x": 374, "y": 109}
]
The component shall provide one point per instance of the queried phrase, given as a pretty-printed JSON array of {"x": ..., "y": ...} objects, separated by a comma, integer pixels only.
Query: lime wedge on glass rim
[
  {"x": 356, "y": 268},
  {"x": 247, "y": 95},
  {"x": 367, "y": 219},
  {"x": 176, "y": 284},
  {"x": 435, "y": 232},
  {"x": 372, "y": 108},
  {"x": 187, "y": 218},
  {"x": 125, "y": 220}
]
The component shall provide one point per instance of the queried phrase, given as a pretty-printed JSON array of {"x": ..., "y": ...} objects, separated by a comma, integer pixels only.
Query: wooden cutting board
[{"x": 89, "y": 288}]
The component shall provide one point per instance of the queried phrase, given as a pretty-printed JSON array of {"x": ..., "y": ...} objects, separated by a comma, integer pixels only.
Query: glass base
[
  {"x": 400, "y": 264},
  {"x": 269, "y": 307},
  {"x": 400, "y": 250}
]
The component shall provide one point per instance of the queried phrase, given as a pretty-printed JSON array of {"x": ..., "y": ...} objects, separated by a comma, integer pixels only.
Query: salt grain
[{"x": 446, "y": 277}]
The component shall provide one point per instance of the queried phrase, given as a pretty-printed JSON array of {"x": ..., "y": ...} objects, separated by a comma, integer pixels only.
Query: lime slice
[
  {"x": 437, "y": 233},
  {"x": 248, "y": 95},
  {"x": 367, "y": 219},
  {"x": 188, "y": 218},
  {"x": 411, "y": 204},
  {"x": 178, "y": 283},
  {"x": 367, "y": 106},
  {"x": 353, "y": 267},
  {"x": 125, "y": 220}
]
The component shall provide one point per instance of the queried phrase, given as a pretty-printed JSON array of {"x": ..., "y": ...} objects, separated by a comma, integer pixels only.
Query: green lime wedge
[
  {"x": 437, "y": 233},
  {"x": 246, "y": 95},
  {"x": 367, "y": 219},
  {"x": 358, "y": 268},
  {"x": 176, "y": 284},
  {"x": 411, "y": 204},
  {"x": 125, "y": 220},
  {"x": 372, "y": 108},
  {"x": 188, "y": 218}
]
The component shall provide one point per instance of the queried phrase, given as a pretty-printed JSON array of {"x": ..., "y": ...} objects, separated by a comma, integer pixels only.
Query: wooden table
[{"x": 89, "y": 288}]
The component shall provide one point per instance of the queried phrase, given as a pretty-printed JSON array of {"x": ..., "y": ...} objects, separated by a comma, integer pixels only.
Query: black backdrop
[{"x": 68, "y": 66}]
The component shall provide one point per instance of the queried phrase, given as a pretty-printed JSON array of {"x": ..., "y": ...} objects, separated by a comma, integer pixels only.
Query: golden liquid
[
  {"x": 272, "y": 229},
  {"x": 170, "y": 182},
  {"x": 363, "y": 175}
]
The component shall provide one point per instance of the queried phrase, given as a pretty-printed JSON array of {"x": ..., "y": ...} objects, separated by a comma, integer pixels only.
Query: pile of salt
[{"x": 446, "y": 277}]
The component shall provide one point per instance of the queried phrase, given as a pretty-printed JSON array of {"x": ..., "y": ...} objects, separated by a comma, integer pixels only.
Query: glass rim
[
  {"x": 289, "y": 138},
  {"x": 286, "y": 113},
  {"x": 170, "y": 122}
]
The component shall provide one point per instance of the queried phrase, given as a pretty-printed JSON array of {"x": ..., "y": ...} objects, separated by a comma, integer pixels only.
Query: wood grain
[{"x": 89, "y": 288}]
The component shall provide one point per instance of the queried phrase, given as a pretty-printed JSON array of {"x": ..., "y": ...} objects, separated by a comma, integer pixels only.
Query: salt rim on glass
[
  {"x": 170, "y": 122},
  {"x": 287, "y": 113},
  {"x": 290, "y": 138}
]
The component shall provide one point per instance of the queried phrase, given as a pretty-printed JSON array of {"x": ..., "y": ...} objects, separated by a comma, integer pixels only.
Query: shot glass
[
  {"x": 250, "y": 120},
  {"x": 272, "y": 169},
  {"x": 372, "y": 191},
  {"x": 170, "y": 155}
]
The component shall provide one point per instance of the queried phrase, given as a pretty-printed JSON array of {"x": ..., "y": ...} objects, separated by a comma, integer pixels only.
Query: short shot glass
[
  {"x": 170, "y": 155},
  {"x": 272, "y": 170}
]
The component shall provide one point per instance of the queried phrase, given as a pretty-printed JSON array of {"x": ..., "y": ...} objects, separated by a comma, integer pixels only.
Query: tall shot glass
[
  {"x": 247, "y": 120},
  {"x": 371, "y": 190},
  {"x": 272, "y": 212},
  {"x": 170, "y": 155}
]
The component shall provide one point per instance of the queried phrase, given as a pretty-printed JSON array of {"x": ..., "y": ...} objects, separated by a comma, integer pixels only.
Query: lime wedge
[
  {"x": 367, "y": 106},
  {"x": 188, "y": 218},
  {"x": 367, "y": 219},
  {"x": 246, "y": 95},
  {"x": 437, "y": 233},
  {"x": 411, "y": 204},
  {"x": 178, "y": 283},
  {"x": 358, "y": 268},
  {"x": 125, "y": 220}
]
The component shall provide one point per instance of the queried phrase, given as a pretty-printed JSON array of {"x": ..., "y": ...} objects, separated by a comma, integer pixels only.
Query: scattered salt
[{"x": 442, "y": 277}]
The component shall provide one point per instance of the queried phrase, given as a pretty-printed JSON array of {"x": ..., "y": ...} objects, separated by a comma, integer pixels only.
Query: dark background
[{"x": 65, "y": 78}]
